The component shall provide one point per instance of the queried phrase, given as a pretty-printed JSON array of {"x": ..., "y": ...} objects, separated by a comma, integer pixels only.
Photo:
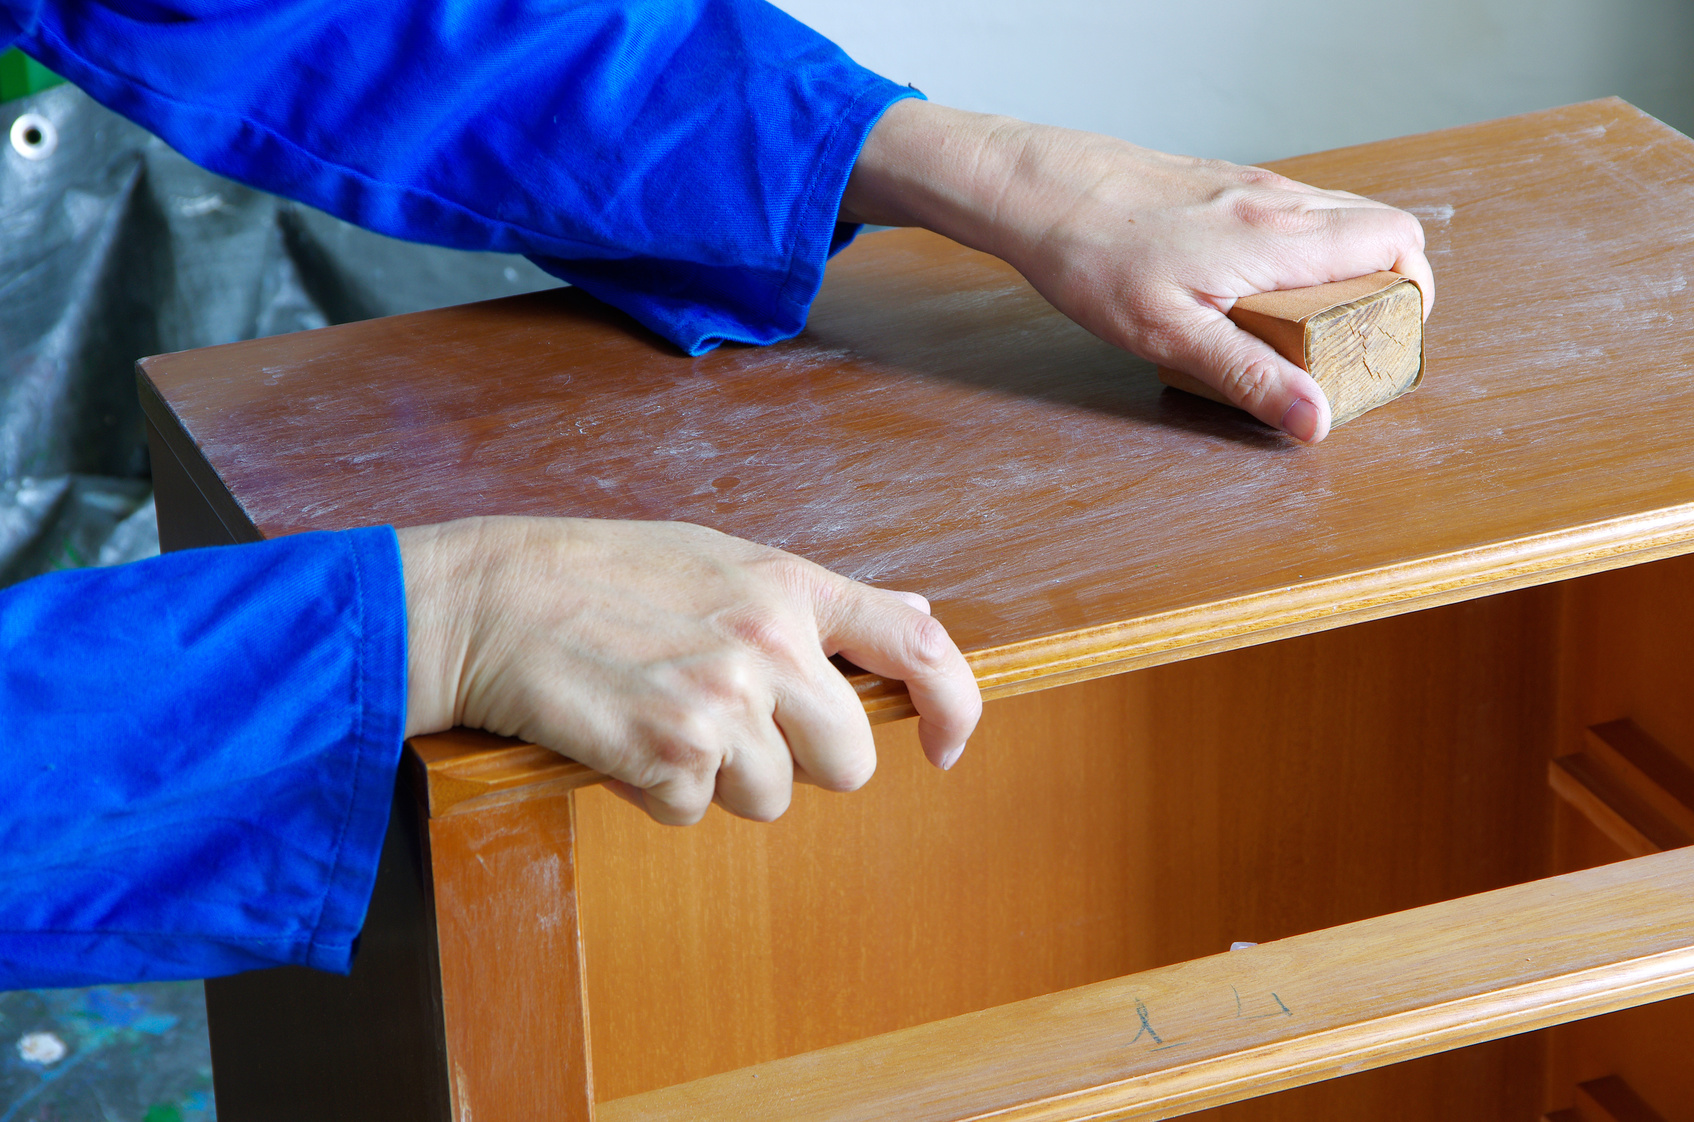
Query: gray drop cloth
[{"x": 115, "y": 247}]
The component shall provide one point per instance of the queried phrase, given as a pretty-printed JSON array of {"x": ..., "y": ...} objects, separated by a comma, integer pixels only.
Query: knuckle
[
  {"x": 685, "y": 742},
  {"x": 731, "y": 678},
  {"x": 1251, "y": 385},
  {"x": 1411, "y": 227},
  {"x": 783, "y": 570},
  {"x": 928, "y": 645},
  {"x": 846, "y": 775},
  {"x": 763, "y": 631},
  {"x": 766, "y": 806},
  {"x": 1271, "y": 213},
  {"x": 1261, "y": 177}
]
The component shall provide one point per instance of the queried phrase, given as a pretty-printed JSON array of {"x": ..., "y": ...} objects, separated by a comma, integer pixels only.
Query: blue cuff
[{"x": 199, "y": 753}]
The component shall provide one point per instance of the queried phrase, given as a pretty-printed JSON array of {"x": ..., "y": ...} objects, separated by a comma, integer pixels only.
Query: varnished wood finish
[
  {"x": 512, "y": 987},
  {"x": 1628, "y": 653},
  {"x": 1660, "y": 778},
  {"x": 468, "y": 770},
  {"x": 1218, "y": 1029},
  {"x": 1070, "y": 528}
]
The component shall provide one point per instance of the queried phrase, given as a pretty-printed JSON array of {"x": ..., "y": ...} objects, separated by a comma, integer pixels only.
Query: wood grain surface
[
  {"x": 1630, "y": 787},
  {"x": 510, "y": 948},
  {"x": 1230, "y": 1026},
  {"x": 1076, "y": 519}
]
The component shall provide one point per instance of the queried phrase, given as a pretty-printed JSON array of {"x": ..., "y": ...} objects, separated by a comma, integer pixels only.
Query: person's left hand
[{"x": 690, "y": 666}]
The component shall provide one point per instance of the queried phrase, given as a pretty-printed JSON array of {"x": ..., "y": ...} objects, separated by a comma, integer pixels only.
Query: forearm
[
  {"x": 680, "y": 159},
  {"x": 946, "y": 170}
]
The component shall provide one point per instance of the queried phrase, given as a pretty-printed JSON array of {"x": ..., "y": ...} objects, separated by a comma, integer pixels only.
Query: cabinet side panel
[
  {"x": 292, "y": 1044},
  {"x": 186, "y": 519}
]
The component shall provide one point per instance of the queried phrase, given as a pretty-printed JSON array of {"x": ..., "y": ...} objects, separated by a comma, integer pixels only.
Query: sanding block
[{"x": 1360, "y": 339}]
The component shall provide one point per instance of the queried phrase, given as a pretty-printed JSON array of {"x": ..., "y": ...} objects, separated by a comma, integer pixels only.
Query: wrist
[
  {"x": 946, "y": 170},
  {"x": 440, "y": 593}
]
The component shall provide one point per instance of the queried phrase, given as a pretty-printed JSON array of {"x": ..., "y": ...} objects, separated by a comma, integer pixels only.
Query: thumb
[{"x": 1249, "y": 372}]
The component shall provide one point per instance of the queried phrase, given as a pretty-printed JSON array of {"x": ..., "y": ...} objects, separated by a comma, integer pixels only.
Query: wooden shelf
[
  {"x": 1630, "y": 786},
  {"x": 1236, "y": 1025}
]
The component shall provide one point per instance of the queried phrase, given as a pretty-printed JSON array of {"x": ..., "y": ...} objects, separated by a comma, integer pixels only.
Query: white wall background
[{"x": 1251, "y": 80}]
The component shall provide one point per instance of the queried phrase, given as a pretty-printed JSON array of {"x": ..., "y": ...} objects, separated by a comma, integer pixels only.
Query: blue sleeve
[
  {"x": 683, "y": 160},
  {"x": 197, "y": 755}
]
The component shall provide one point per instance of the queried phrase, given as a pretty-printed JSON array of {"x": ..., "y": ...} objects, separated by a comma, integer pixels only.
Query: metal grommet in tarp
[{"x": 34, "y": 137}]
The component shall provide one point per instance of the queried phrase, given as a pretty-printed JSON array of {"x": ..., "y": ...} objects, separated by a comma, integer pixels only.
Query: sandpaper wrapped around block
[{"x": 1360, "y": 339}]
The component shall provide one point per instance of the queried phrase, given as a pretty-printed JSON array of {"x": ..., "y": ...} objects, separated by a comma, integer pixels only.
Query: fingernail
[
  {"x": 921, "y": 603},
  {"x": 952, "y": 758},
  {"x": 1301, "y": 420}
]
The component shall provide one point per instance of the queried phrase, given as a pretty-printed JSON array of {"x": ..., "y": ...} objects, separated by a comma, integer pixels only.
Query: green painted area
[
  {"x": 21, "y": 75},
  {"x": 162, "y": 1112}
]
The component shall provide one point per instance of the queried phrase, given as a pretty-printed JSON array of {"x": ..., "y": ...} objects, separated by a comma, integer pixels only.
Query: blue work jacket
[{"x": 197, "y": 753}]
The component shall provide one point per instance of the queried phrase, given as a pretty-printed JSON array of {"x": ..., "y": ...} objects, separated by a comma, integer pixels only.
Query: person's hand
[
  {"x": 1147, "y": 251},
  {"x": 689, "y": 665}
]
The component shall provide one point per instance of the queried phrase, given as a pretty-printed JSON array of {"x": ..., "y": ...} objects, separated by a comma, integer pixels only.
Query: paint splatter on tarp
[{"x": 106, "y": 1054}]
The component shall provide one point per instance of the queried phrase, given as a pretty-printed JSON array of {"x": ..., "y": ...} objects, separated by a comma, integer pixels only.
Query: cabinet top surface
[{"x": 939, "y": 428}]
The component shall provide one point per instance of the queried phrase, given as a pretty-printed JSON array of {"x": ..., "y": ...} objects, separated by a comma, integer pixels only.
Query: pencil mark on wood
[
  {"x": 1146, "y": 1025},
  {"x": 1282, "y": 1010}
]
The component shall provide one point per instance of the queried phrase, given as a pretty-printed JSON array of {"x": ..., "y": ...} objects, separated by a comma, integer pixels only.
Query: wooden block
[
  {"x": 1611, "y": 1100},
  {"x": 1361, "y": 339}
]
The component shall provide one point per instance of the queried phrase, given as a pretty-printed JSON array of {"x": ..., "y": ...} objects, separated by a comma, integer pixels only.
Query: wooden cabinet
[{"x": 1313, "y": 699}]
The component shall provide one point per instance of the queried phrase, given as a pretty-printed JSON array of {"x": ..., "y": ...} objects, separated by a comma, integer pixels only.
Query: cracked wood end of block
[{"x": 1360, "y": 339}]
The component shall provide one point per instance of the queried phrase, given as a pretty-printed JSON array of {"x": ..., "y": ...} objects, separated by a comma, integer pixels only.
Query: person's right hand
[
  {"x": 1148, "y": 251},
  {"x": 686, "y": 664}
]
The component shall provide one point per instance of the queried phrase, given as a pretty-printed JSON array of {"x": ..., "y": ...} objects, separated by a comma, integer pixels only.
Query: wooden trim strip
[
  {"x": 514, "y": 988},
  {"x": 1630, "y": 787},
  {"x": 1250, "y": 1022},
  {"x": 1649, "y": 768},
  {"x": 1301, "y": 609},
  {"x": 1245, "y": 621}
]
